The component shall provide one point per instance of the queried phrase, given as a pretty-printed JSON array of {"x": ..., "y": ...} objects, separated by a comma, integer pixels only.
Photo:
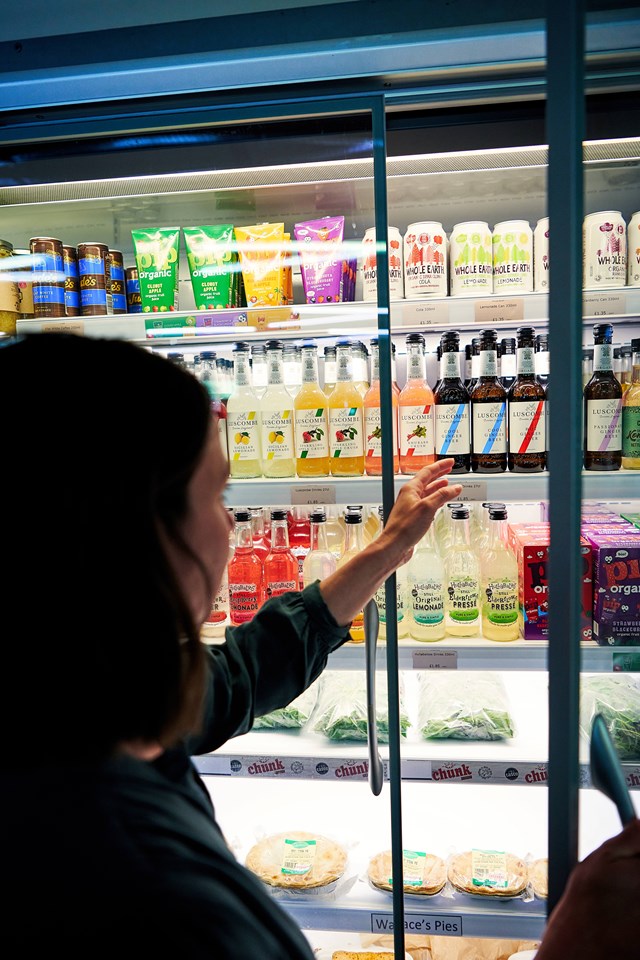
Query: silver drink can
[
  {"x": 604, "y": 250},
  {"x": 471, "y": 259},
  {"x": 512, "y": 257},
  {"x": 633, "y": 250},
  {"x": 541, "y": 256}
]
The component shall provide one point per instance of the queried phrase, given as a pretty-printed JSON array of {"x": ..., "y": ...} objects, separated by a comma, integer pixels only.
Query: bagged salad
[
  {"x": 294, "y": 715},
  {"x": 463, "y": 706},
  {"x": 342, "y": 706},
  {"x": 617, "y": 697}
]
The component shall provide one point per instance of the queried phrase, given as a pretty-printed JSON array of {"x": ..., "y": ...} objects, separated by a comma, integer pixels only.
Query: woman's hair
[{"x": 99, "y": 441}]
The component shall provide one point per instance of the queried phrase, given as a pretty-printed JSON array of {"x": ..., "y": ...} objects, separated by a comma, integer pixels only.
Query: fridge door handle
[{"x": 371, "y": 624}]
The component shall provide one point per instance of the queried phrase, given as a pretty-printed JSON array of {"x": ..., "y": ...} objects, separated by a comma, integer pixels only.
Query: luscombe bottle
[
  {"x": 426, "y": 590},
  {"x": 276, "y": 418},
  {"x": 631, "y": 414},
  {"x": 452, "y": 419},
  {"x": 346, "y": 420},
  {"x": 373, "y": 420},
  {"x": 499, "y": 583},
  {"x": 311, "y": 420},
  {"x": 488, "y": 411},
  {"x": 527, "y": 416},
  {"x": 462, "y": 572},
  {"x": 354, "y": 544},
  {"x": 603, "y": 406},
  {"x": 243, "y": 426}
]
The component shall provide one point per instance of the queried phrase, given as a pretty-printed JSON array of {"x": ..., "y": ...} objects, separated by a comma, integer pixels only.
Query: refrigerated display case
[{"x": 408, "y": 157}]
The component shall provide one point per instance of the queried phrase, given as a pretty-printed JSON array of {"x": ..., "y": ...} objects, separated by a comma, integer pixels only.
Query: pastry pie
[
  {"x": 432, "y": 879},
  {"x": 539, "y": 876},
  {"x": 460, "y": 875},
  {"x": 297, "y": 860}
]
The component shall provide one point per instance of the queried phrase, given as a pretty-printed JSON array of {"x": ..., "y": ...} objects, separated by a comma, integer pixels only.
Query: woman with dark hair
[{"x": 113, "y": 538}]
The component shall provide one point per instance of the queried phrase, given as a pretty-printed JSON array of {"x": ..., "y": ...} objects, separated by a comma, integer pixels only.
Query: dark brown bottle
[
  {"x": 603, "y": 406},
  {"x": 451, "y": 407},
  {"x": 488, "y": 411},
  {"x": 475, "y": 363},
  {"x": 527, "y": 414}
]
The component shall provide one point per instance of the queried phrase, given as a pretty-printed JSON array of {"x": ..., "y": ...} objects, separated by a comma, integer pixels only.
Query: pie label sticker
[{"x": 298, "y": 856}]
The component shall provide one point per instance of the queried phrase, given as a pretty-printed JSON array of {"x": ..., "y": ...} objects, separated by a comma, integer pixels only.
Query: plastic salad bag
[
  {"x": 463, "y": 706},
  {"x": 342, "y": 707},
  {"x": 294, "y": 715},
  {"x": 617, "y": 697}
]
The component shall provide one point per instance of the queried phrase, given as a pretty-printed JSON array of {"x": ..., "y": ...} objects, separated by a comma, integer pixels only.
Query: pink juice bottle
[
  {"x": 299, "y": 538},
  {"x": 245, "y": 576},
  {"x": 280, "y": 565}
]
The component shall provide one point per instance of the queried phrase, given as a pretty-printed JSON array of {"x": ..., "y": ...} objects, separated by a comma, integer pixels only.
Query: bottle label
[
  {"x": 373, "y": 431},
  {"x": 346, "y": 429},
  {"x": 604, "y": 425},
  {"x": 381, "y": 602},
  {"x": 603, "y": 357},
  {"x": 427, "y": 602},
  {"x": 278, "y": 587},
  {"x": 309, "y": 365},
  {"x": 242, "y": 433},
  {"x": 526, "y": 360},
  {"x": 275, "y": 371},
  {"x": 453, "y": 432},
  {"x": 344, "y": 366},
  {"x": 450, "y": 366},
  {"x": 241, "y": 372},
  {"x": 463, "y": 600},
  {"x": 527, "y": 426},
  {"x": 416, "y": 431},
  {"x": 488, "y": 363},
  {"x": 631, "y": 431},
  {"x": 277, "y": 435},
  {"x": 243, "y": 601},
  {"x": 501, "y": 606},
  {"x": 415, "y": 366},
  {"x": 311, "y": 433},
  {"x": 489, "y": 429},
  {"x": 222, "y": 433}
]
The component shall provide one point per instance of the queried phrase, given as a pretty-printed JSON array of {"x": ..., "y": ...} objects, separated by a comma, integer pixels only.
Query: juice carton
[
  {"x": 616, "y": 589},
  {"x": 633, "y": 518}
]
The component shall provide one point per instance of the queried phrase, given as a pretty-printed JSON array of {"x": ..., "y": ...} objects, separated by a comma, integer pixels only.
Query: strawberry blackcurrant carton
[{"x": 616, "y": 589}]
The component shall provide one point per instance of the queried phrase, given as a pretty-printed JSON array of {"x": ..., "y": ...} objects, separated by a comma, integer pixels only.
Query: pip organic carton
[{"x": 616, "y": 589}]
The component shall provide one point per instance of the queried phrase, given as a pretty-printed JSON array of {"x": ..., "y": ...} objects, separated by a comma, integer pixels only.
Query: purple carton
[
  {"x": 616, "y": 589},
  {"x": 321, "y": 258}
]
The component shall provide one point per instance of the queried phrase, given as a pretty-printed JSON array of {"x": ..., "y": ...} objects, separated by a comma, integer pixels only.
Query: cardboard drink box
[{"x": 616, "y": 589}]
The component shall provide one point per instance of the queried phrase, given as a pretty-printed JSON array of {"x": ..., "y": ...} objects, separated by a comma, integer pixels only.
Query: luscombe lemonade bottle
[
  {"x": 276, "y": 418},
  {"x": 499, "y": 582},
  {"x": 243, "y": 433},
  {"x": 346, "y": 421},
  {"x": 311, "y": 421},
  {"x": 354, "y": 544}
]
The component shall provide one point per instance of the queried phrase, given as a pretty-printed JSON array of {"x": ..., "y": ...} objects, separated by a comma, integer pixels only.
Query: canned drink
[
  {"x": 425, "y": 260},
  {"x": 471, "y": 259},
  {"x": 370, "y": 269},
  {"x": 512, "y": 257},
  {"x": 118, "y": 291},
  {"x": 132, "y": 285},
  {"x": 95, "y": 279},
  {"x": 633, "y": 250},
  {"x": 604, "y": 250},
  {"x": 48, "y": 277},
  {"x": 71, "y": 281},
  {"x": 22, "y": 267},
  {"x": 541, "y": 256}
]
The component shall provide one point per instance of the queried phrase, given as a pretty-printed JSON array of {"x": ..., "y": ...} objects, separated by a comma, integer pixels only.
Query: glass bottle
[
  {"x": 208, "y": 376},
  {"x": 329, "y": 369},
  {"x": 319, "y": 562},
  {"x": 602, "y": 407},
  {"x": 244, "y": 573},
  {"x": 260, "y": 541},
  {"x": 360, "y": 366},
  {"x": 626, "y": 353},
  {"x": 527, "y": 416},
  {"x": 444, "y": 527},
  {"x": 631, "y": 414},
  {"x": 335, "y": 533},
  {"x": 290, "y": 367},
  {"x": 259, "y": 368},
  {"x": 426, "y": 590},
  {"x": 213, "y": 628},
  {"x": 488, "y": 411},
  {"x": 223, "y": 373},
  {"x": 451, "y": 397},
  {"x": 468, "y": 376},
  {"x": 243, "y": 429},
  {"x": 354, "y": 545},
  {"x": 462, "y": 580},
  {"x": 280, "y": 565},
  {"x": 617, "y": 364},
  {"x": 402, "y": 619},
  {"x": 439, "y": 368},
  {"x": 299, "y": 536},
  {"x": 475, "y": 363},
  {"x": 311, "y": 420},
  {"x": 394, "y": 371},
  {"x": 346, "y": 420},
  {"x": 276, "y": 418},
  {"x": 373, "y": 420},
  {"x": 415, "y": 411},
  {"x": 499, "y": 572},
  {"x": 587, "y": 366},
  {"x": 508, "y": 361},
  {"x": 177, "y": 358}
]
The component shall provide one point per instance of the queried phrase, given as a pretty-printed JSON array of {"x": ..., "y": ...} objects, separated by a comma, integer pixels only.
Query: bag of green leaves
[
  {"x": 342, "y": 706},
  {"x": 294, "y": 715},
  {"x": 463, "y": 706},
  {"x": 617, "y": 697}
]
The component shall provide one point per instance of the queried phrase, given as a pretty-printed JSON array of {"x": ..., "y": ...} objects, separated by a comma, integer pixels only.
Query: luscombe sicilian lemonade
[
  {"x": 425, "y": 590},
  {"x": 243, "y": 433},
  {"x": 373, "y": 420},
  {"x": 499, "y": 583},
  {"x": 276, "y": 418},
  {"x": 462, "y": 571},
  {"x": 402, "y": 619},
  {"x": 311, "y": 421},
  {"x": 354, "y": 544},
  {"x": 346, "y": 421}
]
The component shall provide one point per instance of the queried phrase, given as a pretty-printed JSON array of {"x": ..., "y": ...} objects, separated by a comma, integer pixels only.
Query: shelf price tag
[
  {"x": 421, "y": 313},
  {"x": 313, "y": 493},
  {"x": 604, "y": 305},
  {"x": 492, "y": 311},
  {"x": 473, "y": 490},
  {"x": 435, "y": 659},
  {"x": 64, "y": 326},
  {"x": 445, "y": 924},
  {"x": 625, "y": 662}
]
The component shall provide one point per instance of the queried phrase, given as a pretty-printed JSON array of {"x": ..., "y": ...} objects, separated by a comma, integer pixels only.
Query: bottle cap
[
  {"x": 635, "y": 346},
  {"x": 278, "y": 514},
  {"x": 317, "y": 515},
  {"x": 241, "y": 516},
  {"x": 353, "y": 515},
  {"x": 529, "y": 332},
  {"x": 461, "y": 513},
  {"x": 240, "y": 345},
  {"x": 415, "y": 338},
  {"x": 497, "y": 513},
  {"x": 456, "y": 505},
  {"x": 274, "y": 345},
  {"x": 208, "y": 355}
]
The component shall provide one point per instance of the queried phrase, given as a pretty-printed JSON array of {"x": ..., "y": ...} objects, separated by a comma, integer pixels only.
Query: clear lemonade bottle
[
  {"x": 354, "y": 544},
  {"x": 346, "y": 421},
  {"x": 462, "y": 570},
  {"x": 243, "y": 431},
  {"x": 426, "y": 593},
  {"x": 499, "y": 570},
  {"x": 311, "y": 423},
  {"x": 276, "y": 416},
  {"x": 280, "y": 565},
  {"x": 319, "y": 562},
  {"x": 401, "y": 596}
]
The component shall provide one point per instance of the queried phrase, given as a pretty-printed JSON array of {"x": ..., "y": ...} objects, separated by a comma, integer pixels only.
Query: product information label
[
  {"x": 413, "y": 864},
  {"x": 452, "y": 428},
  {"x": 313, "y": 493},
  {"x": 243, "y": 435},
  {"x": 489, "y": 869},
  {"x": 243, "y": 601},
  {"x": 489, "y": 428},
  {"x": 427, "y": 602},
  {"x": 312, "y": 441},
  {"x": 381, "y": 601},
  {"x": 298, "y": 856},
  {"x": 346, "y": 427},
  {"x": 488, "y": 312},
  {"x": 276, "y": 435},
  {"x": 603, "y": 357},
  {"x": 433, "y": 923},
  {"x": 526, "y": 360},
  {"x": 463, "y": 600},
  {"x": 373, "y": 431},
  {"x": 527, "y": 426},
  {"x": 277, "y": 587},
  {"x": 631, "y": 431},
  {"x": 604, "y": 425},
  {"x": 417, "y": 431},
  {"x": 438, "y": 659},
  {"x": 488, "y": 363},
  {"x": 501, "y": 604}
]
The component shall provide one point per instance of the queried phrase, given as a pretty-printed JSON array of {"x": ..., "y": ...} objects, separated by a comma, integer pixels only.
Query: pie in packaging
[
  {"x": 425, "y": 874},
  {"x": 488, "y": 873},
  {"x": 539, "y": 877},
  {"x": 297, "y": 861}
]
